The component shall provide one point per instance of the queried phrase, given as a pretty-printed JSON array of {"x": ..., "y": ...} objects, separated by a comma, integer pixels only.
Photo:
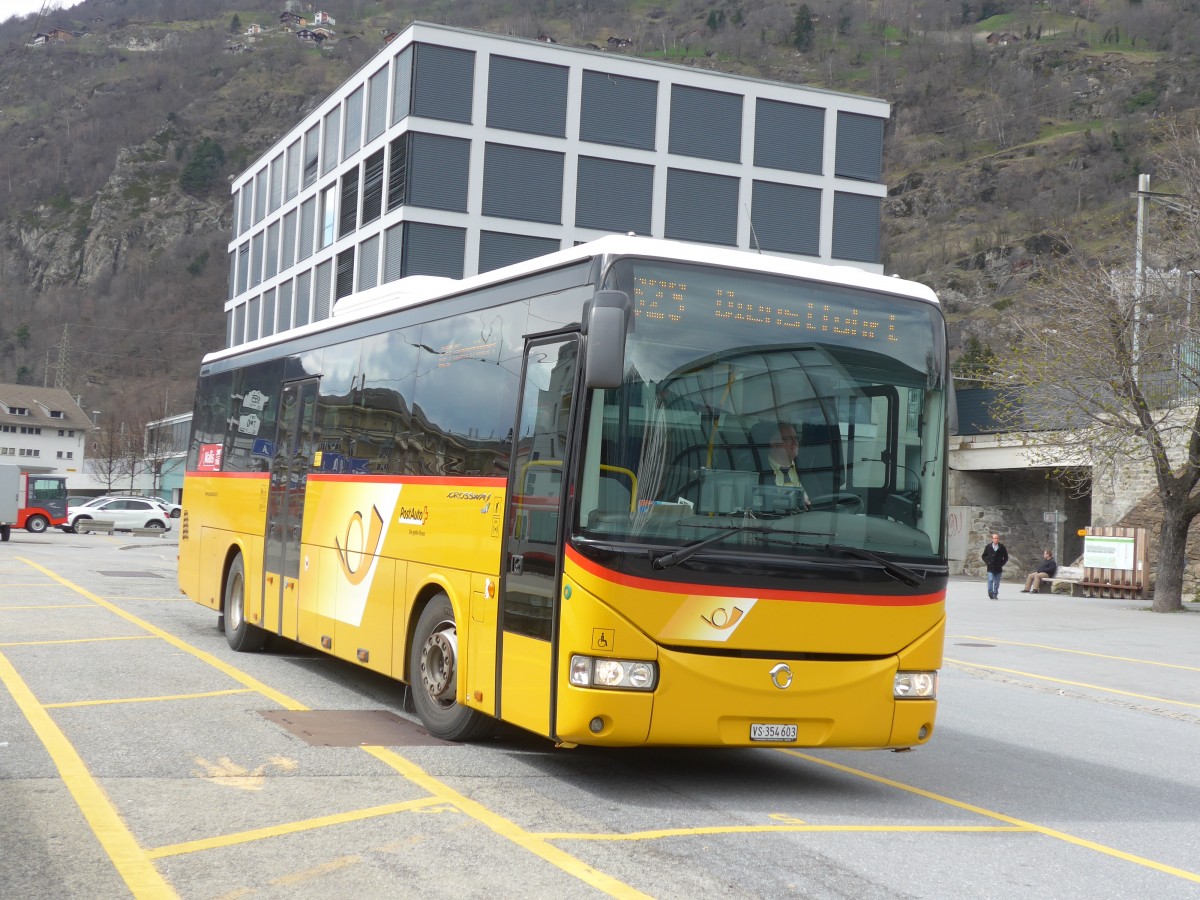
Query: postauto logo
[{"x": 412, "y": 515}]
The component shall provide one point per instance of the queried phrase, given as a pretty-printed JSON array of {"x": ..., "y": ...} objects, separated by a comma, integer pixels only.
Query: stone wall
[
  {"x": 1123, "y": 492},
  {"x": 1012, "y": 503}
]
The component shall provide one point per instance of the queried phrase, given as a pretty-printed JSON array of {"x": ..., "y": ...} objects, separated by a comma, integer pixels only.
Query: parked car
[
  {"x": 174, "y": 510},
  {"x": 124, "y": 512}
]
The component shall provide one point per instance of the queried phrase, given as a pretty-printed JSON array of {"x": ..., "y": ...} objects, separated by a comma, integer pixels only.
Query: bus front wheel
[
  {"x": 36, "y": 524},
  {"x": 242, "y": 636},
  {"x": 433, "y": 674}
]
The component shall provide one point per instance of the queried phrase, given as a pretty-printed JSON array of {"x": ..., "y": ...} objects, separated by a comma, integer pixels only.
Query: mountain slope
[{"x": 118, "y": 145}]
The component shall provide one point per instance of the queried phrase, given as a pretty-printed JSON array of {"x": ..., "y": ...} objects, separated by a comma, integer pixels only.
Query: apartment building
[{"x": 42, "y": 429}]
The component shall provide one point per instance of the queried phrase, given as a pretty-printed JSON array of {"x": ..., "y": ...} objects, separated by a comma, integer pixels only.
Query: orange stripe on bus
[{"x": 711, "y": 590}]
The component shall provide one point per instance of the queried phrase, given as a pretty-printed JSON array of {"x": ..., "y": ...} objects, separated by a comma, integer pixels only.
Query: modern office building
[{"x": 455, "y": 152}]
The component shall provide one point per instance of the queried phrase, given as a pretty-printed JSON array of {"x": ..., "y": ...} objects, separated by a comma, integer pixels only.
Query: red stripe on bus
[
  {"x": 709, "y": 590},
  {"x": 198, "y": 474},
  {"x": 434, "y": 480}
]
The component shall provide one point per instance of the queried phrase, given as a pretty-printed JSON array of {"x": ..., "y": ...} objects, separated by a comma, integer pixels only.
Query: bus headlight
[
  {"x": 915, "y": 686},
  {"x": 621, "y": 674}
]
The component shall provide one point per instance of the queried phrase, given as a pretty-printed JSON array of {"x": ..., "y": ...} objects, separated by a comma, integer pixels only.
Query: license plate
[{"x": 777, "y": 733}]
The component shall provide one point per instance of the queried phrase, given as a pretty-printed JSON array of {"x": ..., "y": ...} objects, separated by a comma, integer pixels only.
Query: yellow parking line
[
  {"x": 505, "y": 828},
  {"x": 149, "y": 699},
  {"x": 128, "y": 858},
  {"x": 237, "y": 675},
  {"x": 771, "y": 829},
  {"x": 979, "y": 810},
  {"x": 1132, "y": 659},
  {"x": 497, "y": 823},
  {"x": 128, "y": 637},
  {"x": 257, "y": 834},
  {"x": 1080, "y": 684}
]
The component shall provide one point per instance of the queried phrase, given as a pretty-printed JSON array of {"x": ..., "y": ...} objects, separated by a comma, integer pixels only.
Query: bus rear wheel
[
  {"x": 241, "y": 635},
  {"x": 36, "y": 524},
  {"x": 433, "y": 674},
  {"x": 5, "y": 532}
]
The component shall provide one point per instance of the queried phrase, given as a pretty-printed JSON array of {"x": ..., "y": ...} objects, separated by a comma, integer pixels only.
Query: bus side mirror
[{"x": 607, "y": 325}]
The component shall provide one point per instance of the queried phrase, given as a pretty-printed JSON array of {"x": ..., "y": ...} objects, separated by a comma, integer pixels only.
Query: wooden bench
[
  {"x": 85, "y": 526},
  {"x": 1070, "y": 577}
]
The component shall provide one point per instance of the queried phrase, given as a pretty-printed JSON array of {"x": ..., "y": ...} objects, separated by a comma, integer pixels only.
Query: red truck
[{"x": 30, "y": 501}]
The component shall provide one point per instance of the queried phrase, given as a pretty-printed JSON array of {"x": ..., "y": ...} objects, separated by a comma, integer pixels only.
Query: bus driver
[{"x": 785, "y": 444}]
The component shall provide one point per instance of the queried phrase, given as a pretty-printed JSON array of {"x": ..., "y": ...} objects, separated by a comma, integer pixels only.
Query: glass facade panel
[{"x": 330, "y": 139}]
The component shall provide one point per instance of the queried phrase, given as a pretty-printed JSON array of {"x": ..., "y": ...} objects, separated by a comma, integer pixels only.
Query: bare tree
[
  {"x": 1113, "y": 358},
  {"x": 108, "y": 456}
]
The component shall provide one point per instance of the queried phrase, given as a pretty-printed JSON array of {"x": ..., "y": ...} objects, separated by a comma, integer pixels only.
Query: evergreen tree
[
  {"x": 976, "y": 364},
  {"x": 202, "y": 169},
  {"x": 802, "y": 37}
]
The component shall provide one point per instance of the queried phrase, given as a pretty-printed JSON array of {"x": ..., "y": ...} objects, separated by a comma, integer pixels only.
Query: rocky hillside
[{"x": 1016, "y": 127}]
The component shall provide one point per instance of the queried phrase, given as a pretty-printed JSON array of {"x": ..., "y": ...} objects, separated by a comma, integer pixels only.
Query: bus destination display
[{"x": 676, "y": 302}]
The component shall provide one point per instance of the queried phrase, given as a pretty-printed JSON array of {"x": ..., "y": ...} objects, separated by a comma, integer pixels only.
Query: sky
[{"x": 10, "y": 8}]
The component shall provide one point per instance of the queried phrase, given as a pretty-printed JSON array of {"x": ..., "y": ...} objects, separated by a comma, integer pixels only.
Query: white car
[
  {"x": 174, "y": 510},
  {"x": 124, "y": 512}
]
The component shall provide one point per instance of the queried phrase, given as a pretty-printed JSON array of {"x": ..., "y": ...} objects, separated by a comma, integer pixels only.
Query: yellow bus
[{"x": 636, "y": 492}]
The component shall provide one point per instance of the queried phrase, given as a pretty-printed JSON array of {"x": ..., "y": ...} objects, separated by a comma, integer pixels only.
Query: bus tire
[
  {"x": 5, "y": 532},
  {"x": 241, "y": 635},
  {"x": 433, "y": 673},
  {"x": 36, "y": 524}
]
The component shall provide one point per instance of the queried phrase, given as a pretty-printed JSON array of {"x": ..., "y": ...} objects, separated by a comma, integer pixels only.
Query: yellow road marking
[
  {"x": 149, "y": 699},
  {"x": 132, "y": 637},
  {"x": 1132, "y": 659},
  {"x": 230, "y": 774},
  {"x": 1081, "y": 684},
  {"x": 236, "y": 674},
  {"x": 770, "y": 829},
  {"x": 257, "y": 834},
  {"x": 497, "y": 823},
  {"x": 1029, "y": 826},
  {"x": 171, "y": 599},
  {"x": 130, "y": 861},
  {"x": 534, "y": 843},
  {"x": 316, "y": 871}
]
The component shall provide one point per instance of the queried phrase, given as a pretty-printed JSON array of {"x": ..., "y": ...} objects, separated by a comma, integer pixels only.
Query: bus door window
[
  {"x": 292, "y": 457},
  {"x": 533, "y": 548}
]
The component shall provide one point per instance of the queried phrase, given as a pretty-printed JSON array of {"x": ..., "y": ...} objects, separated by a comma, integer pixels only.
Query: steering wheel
[{"x": 839, "y": 501}]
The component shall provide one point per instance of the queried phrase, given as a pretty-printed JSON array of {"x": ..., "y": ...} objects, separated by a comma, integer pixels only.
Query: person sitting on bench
[{"x": 1033, "y": 581}]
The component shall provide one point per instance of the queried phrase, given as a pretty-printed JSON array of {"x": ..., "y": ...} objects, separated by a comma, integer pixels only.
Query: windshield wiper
[
  {"x": 688, "y": 550},
  {"x": 899, "y": 572}
]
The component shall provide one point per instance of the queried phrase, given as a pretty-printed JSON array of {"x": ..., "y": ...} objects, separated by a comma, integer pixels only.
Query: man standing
[{"x": 995, "y": 555}]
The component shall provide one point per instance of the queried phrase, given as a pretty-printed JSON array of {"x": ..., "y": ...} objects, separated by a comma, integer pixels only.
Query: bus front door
[
  {"x": 290, "y": 463},
  {"x": 532, "y": 562}
]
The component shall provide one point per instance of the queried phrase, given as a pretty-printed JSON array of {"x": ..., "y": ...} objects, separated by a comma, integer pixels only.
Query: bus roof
[{"x": 420, "y": 289}]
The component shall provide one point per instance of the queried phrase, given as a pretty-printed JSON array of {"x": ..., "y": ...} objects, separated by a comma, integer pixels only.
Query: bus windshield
[{"x": 773, "y": 415}]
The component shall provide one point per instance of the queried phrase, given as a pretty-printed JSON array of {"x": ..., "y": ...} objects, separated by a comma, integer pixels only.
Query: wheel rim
[
  {"x": 233, "y": 606},
  {"x": 438, "y": 664}
]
